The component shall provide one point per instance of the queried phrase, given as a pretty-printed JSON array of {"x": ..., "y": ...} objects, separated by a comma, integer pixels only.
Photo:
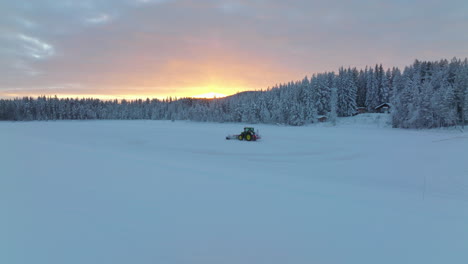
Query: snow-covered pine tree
[
  {"x": 384, "y": 93},
  {"x": 308, "y": 95},
  {"x": 350, "y": 95},
  {"x": 332, "y": 115},
  {"x": 361, "y": 88},
  {"x": 426, "y": 113},
  {"x": 447, "y": 106},
  {"x": 321, "y": 84},
  {"x": 460, "y": 87},
  {"x": 346, "y": 91},
  {"x": 340, "y": 85},
  {"x": 372, "y": 95}
]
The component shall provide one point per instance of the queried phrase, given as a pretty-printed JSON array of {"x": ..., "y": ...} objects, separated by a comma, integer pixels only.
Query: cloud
[
  {"x": 144, "y": 2},
  {"x": 99, "y": 19},
  {"x": 35, "y": 47}
]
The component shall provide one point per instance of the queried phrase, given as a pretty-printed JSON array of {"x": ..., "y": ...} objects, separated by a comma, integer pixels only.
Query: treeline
[
  {"x": 431, "y": 94},
  {"x": 423, "y": 95}
]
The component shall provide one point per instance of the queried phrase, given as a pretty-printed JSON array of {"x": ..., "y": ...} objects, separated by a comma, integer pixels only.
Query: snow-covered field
[{"x": 178, "y": 192}]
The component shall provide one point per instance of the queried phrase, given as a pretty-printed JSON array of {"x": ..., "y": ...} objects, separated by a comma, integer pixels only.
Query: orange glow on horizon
[
  {"x": 210, "y": 95},
  {"x": 213, "y": 75},
  {"x": 110, "y": 97}
]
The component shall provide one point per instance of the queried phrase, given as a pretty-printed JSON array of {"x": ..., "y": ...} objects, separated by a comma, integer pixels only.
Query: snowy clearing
[{"x": 178, "y": 192}]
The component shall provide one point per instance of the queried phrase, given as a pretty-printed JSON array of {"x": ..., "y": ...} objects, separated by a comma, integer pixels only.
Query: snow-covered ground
[{"x": 178, "y": 192}]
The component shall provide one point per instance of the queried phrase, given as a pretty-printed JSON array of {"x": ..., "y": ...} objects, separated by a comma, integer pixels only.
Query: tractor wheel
[
  {"x": 248, "y": 137},
  {"x": 240, "y": 137}
]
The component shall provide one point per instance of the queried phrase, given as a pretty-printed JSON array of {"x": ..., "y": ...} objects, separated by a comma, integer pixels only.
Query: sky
[{"x": 159, "y": 48}]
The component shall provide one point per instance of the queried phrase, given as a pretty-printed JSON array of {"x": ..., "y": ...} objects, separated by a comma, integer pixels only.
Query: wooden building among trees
[{"x": 383, "y": 108}]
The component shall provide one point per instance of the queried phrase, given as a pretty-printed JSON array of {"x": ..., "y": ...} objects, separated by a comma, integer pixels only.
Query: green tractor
[{"x": 249, "y": 134}]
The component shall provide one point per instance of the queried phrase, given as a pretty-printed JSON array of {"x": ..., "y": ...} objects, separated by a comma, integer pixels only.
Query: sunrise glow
[{"x": 210, "y": 95}]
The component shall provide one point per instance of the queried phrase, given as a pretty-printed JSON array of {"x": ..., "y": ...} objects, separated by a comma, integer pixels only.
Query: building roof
[{"x": 383, "y": 105}]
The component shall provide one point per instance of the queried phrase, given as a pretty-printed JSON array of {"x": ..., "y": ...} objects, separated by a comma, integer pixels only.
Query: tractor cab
[{"x": 249, "y": 129}]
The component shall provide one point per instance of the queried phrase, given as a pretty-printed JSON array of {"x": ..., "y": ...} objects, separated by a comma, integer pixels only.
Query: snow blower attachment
[{"x": 249, "y": 134}]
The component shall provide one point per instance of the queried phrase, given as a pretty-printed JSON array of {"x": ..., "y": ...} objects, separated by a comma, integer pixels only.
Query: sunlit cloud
[
  {"x": 35, "y": 47},
  {"x": 151, "y": 1},
  {"x": 99, "y": 19}
]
